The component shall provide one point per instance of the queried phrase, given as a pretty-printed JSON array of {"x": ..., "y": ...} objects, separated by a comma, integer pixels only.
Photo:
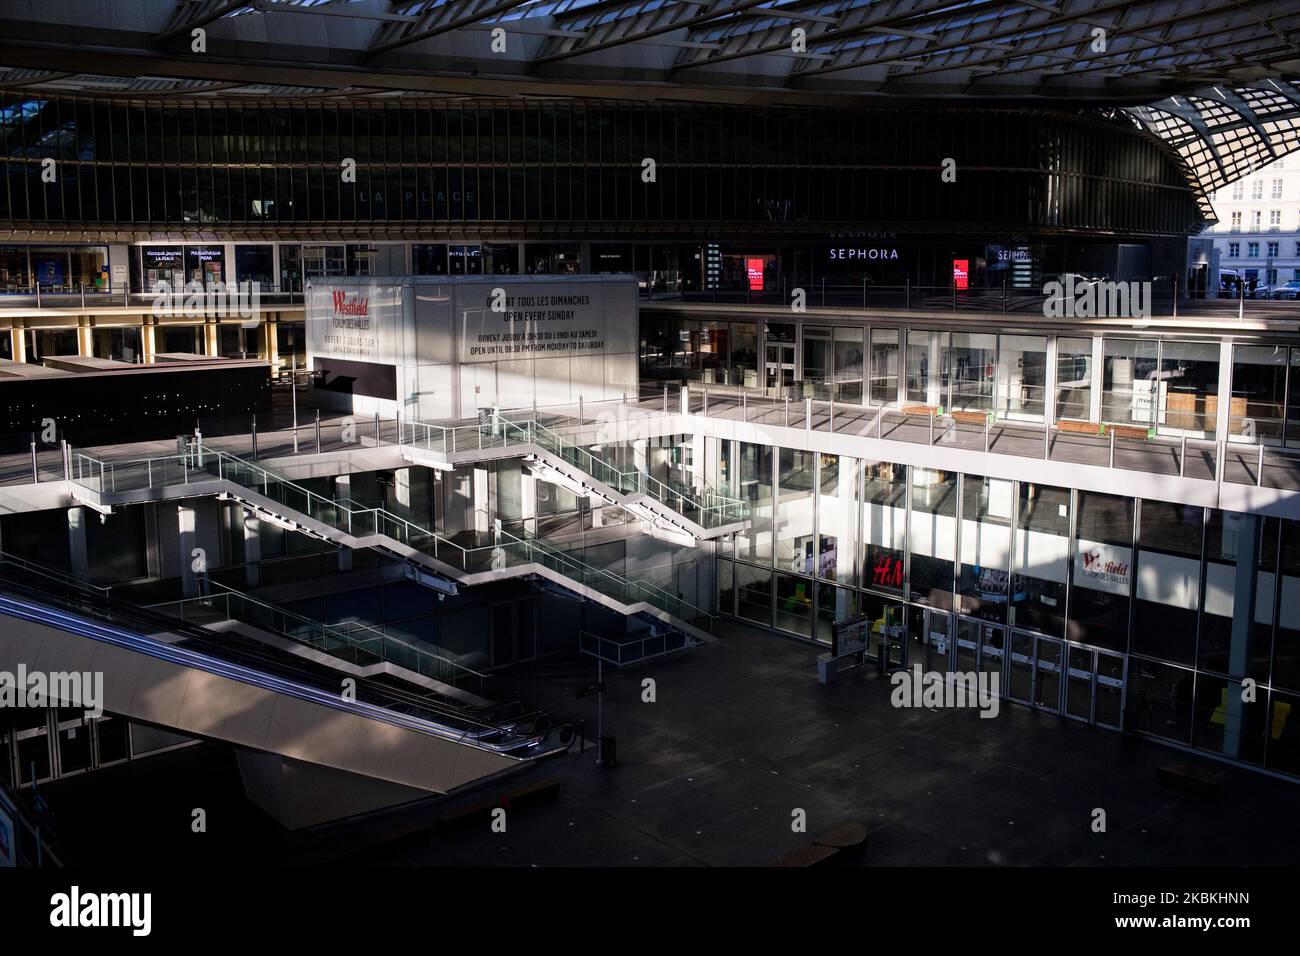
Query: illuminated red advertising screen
[
  {"x": 755, "y": 269},
  {"x": 960, "y": 274}
]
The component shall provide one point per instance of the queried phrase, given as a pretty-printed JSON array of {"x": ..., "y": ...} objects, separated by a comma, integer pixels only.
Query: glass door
[
  {"x": 1047, "y": 674},
  {"x": 1020, "y": 667},
  {"x": 938, "y": 644},
  {"x": 892, "y": 647},
  {"x": 780, "y": 366},
  {"x": 1078, "y": 684},
  {"x": 968, "y": 645},
  {"x": 1108, "y": 710},
  {"x": 992, "y": 651}
]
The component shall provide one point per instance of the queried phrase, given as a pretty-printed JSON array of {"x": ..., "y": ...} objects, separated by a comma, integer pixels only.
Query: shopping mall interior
[{"x": 594, "y": 408}]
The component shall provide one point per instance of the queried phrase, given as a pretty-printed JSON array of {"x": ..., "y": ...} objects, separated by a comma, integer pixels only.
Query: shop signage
[
  {"x": 960, "y": 274},
  {"x": 859, "y": 254},
  {"x": 1097, "y": 564}
]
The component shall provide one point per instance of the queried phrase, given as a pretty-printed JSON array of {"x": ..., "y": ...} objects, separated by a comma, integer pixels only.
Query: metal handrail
[{"x": 359, "y": 521}]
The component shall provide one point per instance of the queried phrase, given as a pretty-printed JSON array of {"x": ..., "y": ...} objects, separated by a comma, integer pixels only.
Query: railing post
[
  {"x": 67, "y": 461},
  {"x": 253, "y": 435},
  {"x": 932, "y": 426},
  {"x": 880, "y": 424},
  {"x": 1259, "y": 472},
  {"x": 832, "y": 415},
  {"x": 705, "y": 390},
  {"x": 318, "y": 431},
  {"x": 787, "y": 411},
  {"x": 377, "y": 436},
  {"x": 35, "y": 474},
  {"x": 665, "y": 398},
  {"x": 1112, "y": 448},
  {"x": 908, "y": 299},
  {"x": 987, "y": 420},
  {"x": 1182, "y": 458},
  {"x": 807, "y": 411},
  {"x": 744, "y": 406},
  {"x": 1047, "y": 440}
]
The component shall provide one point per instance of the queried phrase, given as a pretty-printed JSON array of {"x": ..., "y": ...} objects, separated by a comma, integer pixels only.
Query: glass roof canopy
[{"x": 1215, "y": 79}]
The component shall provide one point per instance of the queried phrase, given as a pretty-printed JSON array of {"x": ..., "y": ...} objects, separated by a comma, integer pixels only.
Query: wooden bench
[
  {"x": 969, "y": 418},
  {"x": 1190, "y": 778},
  {"x": 1082, "y": 428},
  {"x": 845, "y": 843},
  {"x": 809, "y": 855},
  {"x": 850, "y": 839},
  {"x": 923, "y": 410},
  {"x": 1130, "y": 431}
]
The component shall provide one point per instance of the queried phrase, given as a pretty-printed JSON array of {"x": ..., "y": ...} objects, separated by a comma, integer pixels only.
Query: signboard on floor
[{"x": 850, "y": 636}]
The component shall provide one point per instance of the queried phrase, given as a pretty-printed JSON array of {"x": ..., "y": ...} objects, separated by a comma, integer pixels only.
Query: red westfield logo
[{"x": 350, "y": 305}]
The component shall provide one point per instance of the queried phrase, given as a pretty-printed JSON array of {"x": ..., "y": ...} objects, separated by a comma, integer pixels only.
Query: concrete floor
[{"x": 742, "y": 734}]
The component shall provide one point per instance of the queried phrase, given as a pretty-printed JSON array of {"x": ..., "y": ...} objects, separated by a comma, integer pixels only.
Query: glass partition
[
  {"x": 884, "y": 367},
  {"x": 1040, "y": 558},
  {"x": 1074, "y": 379},
  {"x": 1256, "y": 410},
  {"x": 1189, "y": 376},
  {"x": 1131, "y": 389},
  {"x": 1103, "y": 569},
  {"x": 848, "y": 365},
  {"x": 795, "y": 550},
  {"x": 982, "y": 584},
  {"x": 837, "y": 517},
  {"x": 1168, "y": 581},
  {"x": 1022, "y": 377},
  {"x": 932, "y": 536},
  {"x": 969, "y": 360},
  {"x": 884, "y": 523},
  {"x": 755, "y": 486}
]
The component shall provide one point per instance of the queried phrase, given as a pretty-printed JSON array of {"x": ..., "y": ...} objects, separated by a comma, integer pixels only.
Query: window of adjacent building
[
  {"x": 1272, "y": 249},
  {"x": 1252, "y": 250},
  {"x": 1256, "y": 219},
  {"x": 1234, "y": 249},
  {"x": 1238, "y": 190},
  {"x": 1236, "y": 220},
  {"x": 1275, "y": 217},
  {"x": 1277, "y": 189},
  {"x": 1257, "y": 189}
]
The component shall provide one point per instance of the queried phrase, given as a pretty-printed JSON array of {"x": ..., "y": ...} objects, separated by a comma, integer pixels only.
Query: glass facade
[
  {"x": 267, "y": 161},
  {"x": 1121, "y": 612}
]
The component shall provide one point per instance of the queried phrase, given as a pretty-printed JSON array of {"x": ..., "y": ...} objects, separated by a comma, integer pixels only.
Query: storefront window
[
  {"x": 927, "y": 376},
  {"x": 932, "y": 535},
  {"x": 1189, "y": 375},
  {"x": 1103, "y": 571},
  {"x": 744, "y": 354},
  {"x": 205, "y": 265},
  {"x": 982, "y": 585},
  {"x": 465, "y": 260},
  {"x": 429, "y": 260},
  {"x": 1226, "y": 534},
  {"x": 15, "y": 273},
  {"x": 613, "y": 257},
  {"x": 1160, "y": 700},
  {"x": 255, "y": 264},
  {"x": 163, "y": 264},
  {"x": 1257, "y": 407},
  {"x": 837, "y": 517},
  {"x": 1168, "y": 581},
  {"x": 884, "y": 523},
  {"x": 754, "y": 593},
  {"x": 1022, "y": 377},
  {"x": 290, "y": 268},
  {"x": 795, "y": 550},
  {"x": 503, "y": 258},
  {"x": 1040, "y": 558},
  {"x": 794, "y": 604},
  {"x": 970, "y": 360},
  {"x": 833, "y": 604},
  {"x": 817, "y": 362},
  {"x": 1074, "y": 379},
  {"x": 755, "y": 542},
  {"x": 884, "y": 366},
  {"x": 324, "y": 261},
  {"x": 1229, "y": 721},
  {"x": 1130, "y": 384},
  {"x": 848, "y": 365}
]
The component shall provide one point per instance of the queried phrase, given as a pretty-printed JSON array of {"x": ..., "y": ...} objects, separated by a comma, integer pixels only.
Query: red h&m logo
[
  {"x": 887, "y": 572},
  {"x": 343, "y": 305}
]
